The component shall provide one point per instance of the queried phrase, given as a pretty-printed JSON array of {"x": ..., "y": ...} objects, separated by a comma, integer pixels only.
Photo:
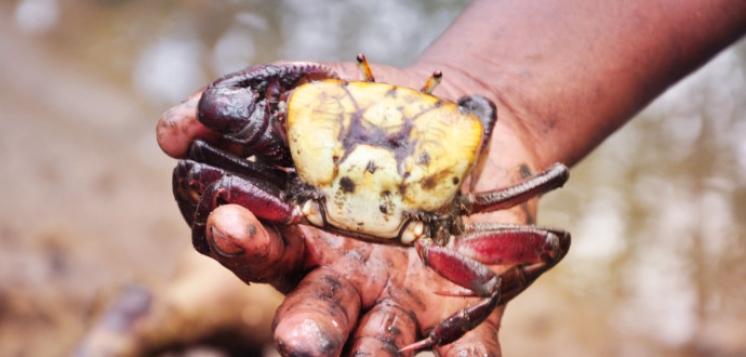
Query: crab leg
[
  {"x": 470, "y": 273},
  {"x": 531, "y": 250},
  {"x": 455, "y": 326},
  {"x": 510, "y": 244},
  {"x": 533, "y": 186},
  {"x": 457, "y": 268}
]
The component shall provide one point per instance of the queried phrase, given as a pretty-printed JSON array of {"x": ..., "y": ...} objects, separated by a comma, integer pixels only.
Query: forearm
[{"x": 566, "y": 74}]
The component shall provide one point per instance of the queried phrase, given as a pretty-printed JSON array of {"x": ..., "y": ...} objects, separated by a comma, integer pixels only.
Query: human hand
[{"x": 344, "y": 293}]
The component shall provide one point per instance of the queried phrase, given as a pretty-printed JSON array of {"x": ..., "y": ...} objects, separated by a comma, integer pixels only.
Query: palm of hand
[{"x": 342, "y": 293}]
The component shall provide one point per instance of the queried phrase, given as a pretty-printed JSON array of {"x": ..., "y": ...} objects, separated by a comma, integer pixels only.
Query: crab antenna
[
  {"x": 362, "y": 63},
  {"x": 432, "y": 82}
]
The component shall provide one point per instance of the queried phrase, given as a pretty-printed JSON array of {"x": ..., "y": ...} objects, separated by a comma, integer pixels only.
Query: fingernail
[{"x": 225, "y": 245}]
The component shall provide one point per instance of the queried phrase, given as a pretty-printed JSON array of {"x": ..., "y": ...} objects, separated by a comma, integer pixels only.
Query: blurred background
[{"x": 657, "y": 212}]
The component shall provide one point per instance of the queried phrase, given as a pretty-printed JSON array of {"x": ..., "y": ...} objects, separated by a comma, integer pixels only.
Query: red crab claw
[
  {"x": 244, "y": 106},
  {"x": 203, "y": 152},
  {"x": 530, "y": 250},
  {"x": 263, "y": 199},
  {"x": 212, "y": 177},
  {"x": 190, "y": 179}
]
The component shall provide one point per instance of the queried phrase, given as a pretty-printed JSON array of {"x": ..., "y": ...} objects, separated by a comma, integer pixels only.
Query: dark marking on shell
[
  {"x": 430, "y": 182},
  {"x": 386, "y": 206},
  {"x": 456, "y": 180},
  {"x": 424, "y": 159},
  {"x": 392, "y": 92},
  {"x": 371, "y": 167},
  {"x": 360, "y": 132},
  {"x": 347, "y": 185},
  {"x": 339, "y": 199}
]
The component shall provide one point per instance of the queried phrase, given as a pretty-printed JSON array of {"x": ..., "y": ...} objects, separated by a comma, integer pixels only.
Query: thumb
[{"x": 253, "y": 251}]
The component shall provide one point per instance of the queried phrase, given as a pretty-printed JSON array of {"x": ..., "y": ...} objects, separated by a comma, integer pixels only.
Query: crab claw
[
  {"x": 244, "y": 106},
  {"x": 206, "y": 165},
  {"x": 211, "y": 177},
  {"x": 190, "y": 179}
]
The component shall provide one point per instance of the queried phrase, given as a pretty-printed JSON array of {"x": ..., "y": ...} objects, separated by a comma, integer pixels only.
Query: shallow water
[{"x": 656, "y": 213}]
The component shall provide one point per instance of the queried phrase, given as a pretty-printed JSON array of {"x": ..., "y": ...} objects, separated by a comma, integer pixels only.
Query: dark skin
[{"x": 564, "y": 76}]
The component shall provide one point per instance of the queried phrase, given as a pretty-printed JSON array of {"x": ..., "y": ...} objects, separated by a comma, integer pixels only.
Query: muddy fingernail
[{"x": 225, "y": 244}]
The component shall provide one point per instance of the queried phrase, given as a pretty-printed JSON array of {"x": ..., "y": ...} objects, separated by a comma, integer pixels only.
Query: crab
[{"x": 373, "y": 161}]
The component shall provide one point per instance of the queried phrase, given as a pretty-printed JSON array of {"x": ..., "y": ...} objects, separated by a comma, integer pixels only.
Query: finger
[
  {"x": 178, "y": 127},
  {"x": 316, "y": 318},
  {"x": 385, "y": 329},
  {"x": 481, "y": 341},
  {"x": 254, "y": 252}
]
